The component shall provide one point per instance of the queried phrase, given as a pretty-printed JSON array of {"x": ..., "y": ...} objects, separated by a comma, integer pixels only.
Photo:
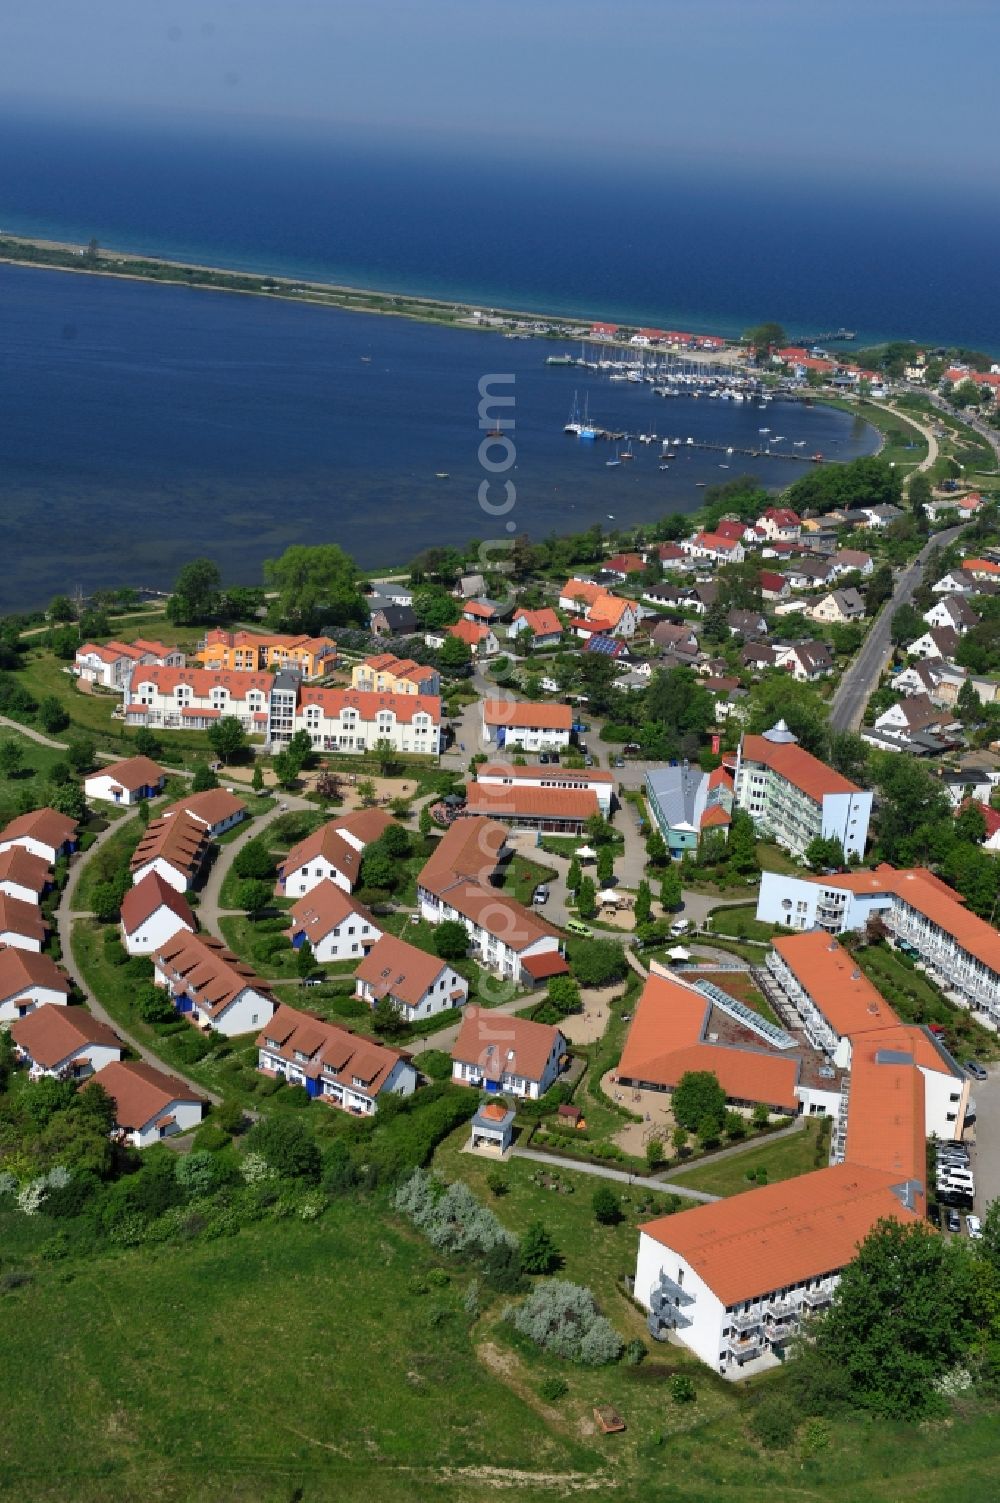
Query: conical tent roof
[{"x": 780, "y": 734}]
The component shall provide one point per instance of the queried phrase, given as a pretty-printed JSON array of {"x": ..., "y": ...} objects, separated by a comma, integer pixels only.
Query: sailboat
[
  {"x": 611, "y": 463},
  {"x": 587, "y": 428},
  {"x": 573, "y": 423},
  {"x": 627, "y": 451}
]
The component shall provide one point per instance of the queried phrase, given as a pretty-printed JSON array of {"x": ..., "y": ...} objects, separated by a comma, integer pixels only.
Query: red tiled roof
[
  {"x": 210, "y": 807},
  {"x": 797, "y": 766},
  {"x": 20, "y": 970},
  {"x": 140, "y": 1091},
  {"x": 368, "y": 702},
  {"x": 201, "y": 681},
  {"x": 51, "y": 1033},
  {"x": 501, "y": 1044},
  {"x": 202, "y": 967},
  {"x": 24, "y": 869},
  {"x": 179, "y": 840},
  {"x": 497, "y": 802},
  {"x": 47, "y": 826},
  {"x": 393, "y": 968},
  {"x": 522, "y": 715},
  {"x": 19, "y": 917},
  {"x": 549, "y": 963},
  {"x": 544, "y": 623},
  {"x": 837, "y": 985},
  {"x": 133, "y": 773},
  {"x": 332, "y": 1052},
  {"x": 151, "y": 893},
  {"x": 323, "y": 909}
]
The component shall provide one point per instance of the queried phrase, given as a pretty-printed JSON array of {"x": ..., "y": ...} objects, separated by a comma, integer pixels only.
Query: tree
[
  {"x": 698, "y": 1097},
  {"x": 451, "y": 940},
  {"x": 573, "y": 875},
  {"x": 227, "y": 738},
  {"x": 824, "y": 852},
  {"x": 968, "y": 705},
  {"x": 643, "y": 904},
  {"x": 905, "y": 1311},
  {"x": 539, "y": 1254},
  {"x": 656, "y": 848},
  {"x": 906, "y": 626},
  {"x": 586, "y": 898},
  {"x": 607, "y": 1210},
  {"x": 679, "y": 1138},
  {"x": 285, "y": 769},
  {"x": 254, "y": 860},
  {"x": 598, "y": 962},
  {"x": 146, "y": 744},
  {"x": 254, "y": 897},
  {"x": 62, "y": 609},
  {"x": 878, "y": 591},
  {"x": 654, "y": 1153},
  {"x": 328, "y": 785},
  {"x": 366, "y": 792},
  {"x": 300, "y": 748},
  {"x": 743, "y": 844},
  {"x": 11, "y": 757},
  {"x": 387, "y": 1021},
  {"x": 81, "y": 754},
  {"x": 286, "y": 1146},
  {"x": 671, "y": 891},
  {"x": 378, "y": 868},
  {"x": 196, "y": 593},
  {"x": 970, "y": 824},
  {"x": 919, "y": 494},
  {"x": 778, "y": 696},
  {"x": 144, "y": 811},
  {"x": 257, "y": 781},
  {"x": 105, "y": 901},
  {"x": 849, "y": 755},
  {"x": 762, "y": 336},
  {"x": 52, "y": 715},
  {"x": 305, "y": 960},
  {"x": 605, "y": 865},
  {"x": 204, "y": 779},
  {"x": 425, "y": 823},
  {"x": 454, "y": 655},
  {"x": 68, "y": 799},
  {"x": 396, "y": 841},
  {"x": 315, "y": 583}
]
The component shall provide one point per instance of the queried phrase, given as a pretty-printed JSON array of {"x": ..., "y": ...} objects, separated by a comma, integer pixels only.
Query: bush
[
  {"x": 450, "y": 1216},
  {"x": 636, "y": 1352},
  {"x": 682, "y": 1389},
  {"x": 774, "y": 1422},
  {"x": 211, "y": 1138},
  {"x": 286, "y": 1147},
  {"x": 563, "y": 1318},
  {"x": 451, "y": 940},
  {"x": 607, "y": 1210},
  {"x": 434, "y": 1063},
  {"x": 551, "y": 1389},
  {"x": 539, "y": 1253}
]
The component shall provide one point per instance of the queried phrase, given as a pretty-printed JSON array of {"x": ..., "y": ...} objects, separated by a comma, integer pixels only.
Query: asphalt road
[{"x": 847, "y": 707}]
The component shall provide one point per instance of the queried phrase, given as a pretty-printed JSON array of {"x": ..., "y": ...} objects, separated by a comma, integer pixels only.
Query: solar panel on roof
[
  {"x": 607, "y": 645},
  {"x": 774, "y": 1035}
]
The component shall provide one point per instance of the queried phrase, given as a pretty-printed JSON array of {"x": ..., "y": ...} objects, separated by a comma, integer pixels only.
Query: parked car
[
  {"x": 974, "y": 1227},
  {"x": 952, "y": 1221},
  {"x": 975, "y": 1069},
  {"x": 540, "y": 894},
  {"x": 680, "y": 926},
  {"x": 588, "y": 760},
  {"x": 543, "y": 758},
  {"x": 619, "y": 762}
]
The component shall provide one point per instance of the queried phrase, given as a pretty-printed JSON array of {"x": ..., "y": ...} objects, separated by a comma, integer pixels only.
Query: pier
[{"x": 756, "y": 453}]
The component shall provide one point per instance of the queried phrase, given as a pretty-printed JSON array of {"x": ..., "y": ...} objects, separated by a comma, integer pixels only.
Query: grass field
[
  {"x": 740, "y": 922},
  {"x": 783, "y": 1159},
  {"x": 38, "y": 761},
  {"x": 301, "y": 1361}
]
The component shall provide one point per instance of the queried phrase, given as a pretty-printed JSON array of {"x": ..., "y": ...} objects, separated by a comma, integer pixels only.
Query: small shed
[
  {"x": 492, "y": 1129},
  {"x": 571, "y": 1115}
]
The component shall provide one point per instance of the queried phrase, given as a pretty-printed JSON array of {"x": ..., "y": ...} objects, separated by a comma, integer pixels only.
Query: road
[
  {"x": 847, "y": 707},
  {"x": 65, "y": 916}
]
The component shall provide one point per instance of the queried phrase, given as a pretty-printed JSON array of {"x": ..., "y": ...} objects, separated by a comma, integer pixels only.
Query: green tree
[
  {"x": 144, "y": 811},
  {"x": 316, "y": 583},
  {"x": 52, "y": 715},
  {"x": 300, "y": 747},
  {"x": 656, "y": 848},
  {"x": 906, "y": 626},
  {"x": 823, "y": 852},
  {"x": 573, "y": 875},
  {"x": 11, "y": 757},
  {"x": 425, "y": 823},
  {"x": 598, "y": 962},
  {"x": 671, "y": 890},
  {"x": 286, "y": 1146},
  {"x": 586, "y": 898},
  {"x": 257, "y": 781},
  {"x": 778, "y": 696},
  {"x": 227, "y": 738},
  {"x": 743, "y": 844},
  {"x": 203, "y": 779},
  {"x": 147, "y": 744},
  {"x": 454, "y": 655},
  {"x": 451, "y": 940},
  {"x": 563, "y": 996},
  {"x": 68, "y": 799},
  {"x": 366, "y": 792},
  {"x": 654, "y": 1154},
  {"x": 698, "y": 1097},
  {"x": 62, "y": 609},
  {"x": 878, "y": 590},
  {"x": 539, "y": 1254},
  {"x": 905, "y": 1311},
  {"x": 254, "y": 860},
  {"x": 607, "y": 1210},
  {"x": 285, "y": 769},
  {"x": 762, "y": 336},
  {"x": 605, "y": 865},
  {"x": 106, "y": 900},
  {"x": 643, "y": 904},
  {"x": 970, "y": 824},
  {"x": 305, "y": 960},
  {"x": 387, "y": 1021},
  {"x": 378, "y": 868},
  {"x": 255, "y": 897},
  {"x": 849, "y": 755},
  {"x": 196, "y": 593},
  {"x": 81, "y": 754},
  {"x": 679, "y": 1138}
]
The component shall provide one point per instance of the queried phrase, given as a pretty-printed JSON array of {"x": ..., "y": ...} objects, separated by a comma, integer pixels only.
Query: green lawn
[
  {"x": 30, "y": 780},
  {"x": 740, "y": 922},
  {"x": 783, "y": 1159},
  {"x": 522, "y": 876},
  {"x": 917, "y": 1000},
  {"x": 114, "y": 855},
  {"x": 773, "y": 859}
]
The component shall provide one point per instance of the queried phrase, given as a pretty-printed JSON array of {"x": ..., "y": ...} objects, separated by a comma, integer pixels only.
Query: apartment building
[
  {"x": 194, "y": 698},
  {"x": 384, "y": 673},
  {"x": 792, "y": 797},
  {"x": 924, "y": 916},
  {"x": 572, "y": 779},
  {"x": 209, "y": 986},
  {"x": 354, "y": 720},
  {"x": 255, "y": 652},
  {"x": 332, "y": 1064},
  {"x": 519, "y": 725},
  {"x": 111, "y": 664}
]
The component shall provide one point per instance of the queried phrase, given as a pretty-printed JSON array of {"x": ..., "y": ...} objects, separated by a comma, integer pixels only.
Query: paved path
[
  {"x": 847, "y": 707},
  {"x": 445, "y": 1037},
  {"x": 209, "y": 907},
  {"x": 65, "y": 916},
  {"x": 927, "y": 434},
  {"x": 602, "y": 1171}
]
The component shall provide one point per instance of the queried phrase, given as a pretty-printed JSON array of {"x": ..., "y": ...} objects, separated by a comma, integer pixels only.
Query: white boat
[
  {"x": 627, "y": 451},
  {"x": 763, "y": 430},
  {"x": 798, "y": 443},
  {"x": 729, "y": 451},
  {"x": 573, "y": 424}
]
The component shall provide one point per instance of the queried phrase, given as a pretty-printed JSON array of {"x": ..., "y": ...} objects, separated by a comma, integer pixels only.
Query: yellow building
[
  {"x": 393, "y": 675},
  {"x": 256, "y": 652}
]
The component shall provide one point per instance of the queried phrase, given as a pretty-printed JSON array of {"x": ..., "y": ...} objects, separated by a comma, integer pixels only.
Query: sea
[{"x": 141, "y": 425}]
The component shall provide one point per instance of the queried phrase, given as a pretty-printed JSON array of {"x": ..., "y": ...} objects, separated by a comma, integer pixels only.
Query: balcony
[
  {"x": 746, "y": 1321},
  {"x": 782, "y": 1309},
  {"x": 745, "y": 1351},
  {"x": 815, "y": 1299}
]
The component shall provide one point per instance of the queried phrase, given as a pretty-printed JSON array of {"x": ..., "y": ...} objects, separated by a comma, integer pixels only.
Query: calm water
[
  {"x": 142, "y": 425},
  {"x": 673, "y": 246}
]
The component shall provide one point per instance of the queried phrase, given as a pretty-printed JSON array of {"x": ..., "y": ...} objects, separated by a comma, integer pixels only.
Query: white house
[
  {"x": 350, "y": 720},
  {"x": 343, "y": 1069},
  {"x": 954, "y": 611},
  {"x": 714, "y": 548},
  {"x": 334, "y": 925},
  {"x": 805, "y": 661},
  {"x": 780, "y": 524},
  {"x": 43, "y": 832},
  {"x": 499, "y": 1053},
  {"x": 544, "y": 624},
  {"x": 839, "y": 606},
  {"x": 526, "y": 727},
  {"x": 938, "y": 642},
  {"x": 21, "y": 924},
  {"x": 67, "y": 1043},
  {"x": 28, "y": 981},
  {"x": 331, "y": 854},
  {"x": 210, "y": 987},
  {"x": 417, "y": 984},
  {"x": 126, "y": 782},
  {"x": 149, "y": 1104},
  {"x": 217, "y": 809},
  {"x": 591, "y": 779},
  {"x": 455, "y": 883},
  {"x": 152, "y": 912},
  {"x": 174, "y": 847},
  {"x": 24, "y": 876}
]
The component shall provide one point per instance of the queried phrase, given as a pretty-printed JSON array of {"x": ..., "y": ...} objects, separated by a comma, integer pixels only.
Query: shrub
[
  {"x": 286, "y": 1147},
  {"x": 434, "y": 1063},
  {"x": 539, "y": 1253},
  {"x": 502, "y": 1268},
  {"x": 635, "y": 1352},
  {"x": 211, "y": 1138},
  {"x": 682, "y": 1389},
  {"x": 498, "y": 1183},
  {"x": 774, "y": 1422},
  {"x": 553, "y": 1388},
  {"x": 450, "y": 1216},
  {"x": 563, "y": 1318},
  {"x": 607, "y": 1210}
]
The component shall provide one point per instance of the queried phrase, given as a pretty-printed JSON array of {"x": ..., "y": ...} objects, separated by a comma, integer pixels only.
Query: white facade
[
  {"x": 12, "y": 889},
  {"x": 795, "y": 817},
  {"x": 18, "y": 941},
  {"x": 302, "y": 879},
  {"x": 491, "y": 949},
  {"x": 23, "y": 1002},
  {"x": 174, "y": 1118},
  {"x": 465, "y": 1073},
  {"x": 37, "y": 847},
  {"x": 347, "y": 940},
  {"x": 528, "y": 738},
  {"x": 437, "y": 998},
  {"x": 350, "y": 1096},
  {"x": 179, "y": 880},
  {"x": 798, "y": 903},
  {"x": 155, "y": 930},
  {"x": 413, "y": 724},
  {"x": 100, "y": 786},
  {"x": 83, "y": 1061}
]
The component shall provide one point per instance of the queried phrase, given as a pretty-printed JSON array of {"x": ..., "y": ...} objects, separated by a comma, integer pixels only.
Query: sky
[{"x": 850, "y": 88}]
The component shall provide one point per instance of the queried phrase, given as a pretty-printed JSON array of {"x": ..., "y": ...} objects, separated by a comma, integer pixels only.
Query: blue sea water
[{"x": 142, "y": 425}]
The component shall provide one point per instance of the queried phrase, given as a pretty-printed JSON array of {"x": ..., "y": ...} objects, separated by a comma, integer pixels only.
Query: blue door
[
  {"x": 492, "y": 1086},
  {"x": 298, "y": 940},
  {"x": 184, "y": 1003},
  {"x": 312, "y": 1087}
]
